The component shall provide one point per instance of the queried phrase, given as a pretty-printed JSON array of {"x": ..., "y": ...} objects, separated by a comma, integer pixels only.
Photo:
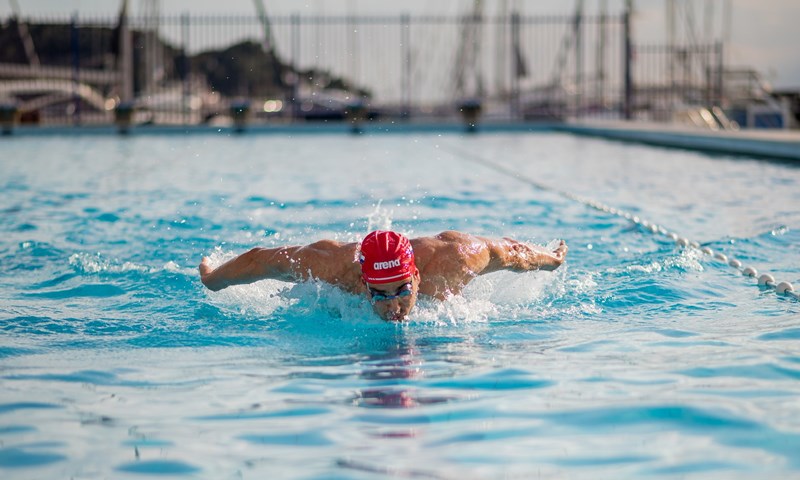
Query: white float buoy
[
  {"x": 749, "y": 272},
  {"x": 721, "y": 256},
  {"x": 766, "y": 280},
  {"x": 735, "y": 263},
  {"x": 784, "y": 287},
  {"x": 707, "y": 251},
  {"x": 695, "y": 244},
  {"x": 683, "y": 242}
]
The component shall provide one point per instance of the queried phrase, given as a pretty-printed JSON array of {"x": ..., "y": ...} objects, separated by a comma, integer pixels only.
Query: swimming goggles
[{"x": 379, "y": 296}]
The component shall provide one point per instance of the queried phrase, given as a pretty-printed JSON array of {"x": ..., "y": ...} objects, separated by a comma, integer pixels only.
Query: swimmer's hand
[
  {"x": 555, "y": 258},
  {"x": 561, "y": 252},
  {"x": 206, "y": 275},
  {"x": 524, "y": 257}
]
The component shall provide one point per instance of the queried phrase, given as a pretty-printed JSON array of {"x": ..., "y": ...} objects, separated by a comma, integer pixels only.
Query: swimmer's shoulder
[
  {"x": 334, "y": 262},
  {"x": 441, "y": 252},
  {"x": 441, "y": 239}
]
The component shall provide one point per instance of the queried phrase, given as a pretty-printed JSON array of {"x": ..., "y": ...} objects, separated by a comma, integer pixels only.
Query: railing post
[
  {"x": 627, "y": 98},
  {"x": 405, "y": 42},
  {"x": 295, "y": 78},
  {"x": 76, "y": 62},
  {"x": 720, "y": 74},
  {"x": 517, "y": 66},
  {"x": 578, "y": 104},
  {"x": 123, "y": 117},
  {"x": 9, "y": 117},
  {"x": 470, "y": 113},
  {"x": 355, "y": 114},
  {"x": 187, "y": 68},
  {"x": 709, "y": 86},
  {"x": 126, "y": 54},
  {"x": 352, "y": 47},
  {"x": 240, "y": 113},
  {"x": 600, "y": 59}
]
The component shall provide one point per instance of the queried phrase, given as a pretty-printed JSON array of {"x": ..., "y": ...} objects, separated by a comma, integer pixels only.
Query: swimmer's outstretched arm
[
  {"x": 324, "y": 260},
  {"x": 252, "y": 266}
]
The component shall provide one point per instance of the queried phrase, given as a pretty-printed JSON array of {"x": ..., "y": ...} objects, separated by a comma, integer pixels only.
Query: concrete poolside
[
  {"x": 779, "y": 144},
  {"x": 776, "y": 144}
]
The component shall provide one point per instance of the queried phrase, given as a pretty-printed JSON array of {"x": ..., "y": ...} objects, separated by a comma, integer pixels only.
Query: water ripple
[
  {"x": 92, "y": 377},
  {"x": 94, "y": 290},
  {"x": 294, "y": 412},
  {"x": 766, "y": 371},
  {"x": 679, "y": 416},
  {"x": 22, "y": 457},
  {"x": 509, "y": 379},
  {"x": 159, "y": 467},
  {"x": 785, "y": 334},
  {"x": 13, "y": 407},
  {"x": 300, "y": 439}
]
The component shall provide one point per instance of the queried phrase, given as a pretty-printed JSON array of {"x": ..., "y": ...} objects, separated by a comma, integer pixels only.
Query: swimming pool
[{"x": 637, "y": 358}]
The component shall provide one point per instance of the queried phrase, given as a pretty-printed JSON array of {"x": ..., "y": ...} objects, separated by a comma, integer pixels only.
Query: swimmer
[{"x": 386, "y": 267}]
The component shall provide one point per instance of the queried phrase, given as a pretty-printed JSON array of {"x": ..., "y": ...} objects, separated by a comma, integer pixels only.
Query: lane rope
[{"x": 765, "y": 280}]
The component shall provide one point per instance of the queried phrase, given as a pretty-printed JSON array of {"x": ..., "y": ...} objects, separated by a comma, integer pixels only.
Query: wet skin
[{"x": 446, "y": 263}]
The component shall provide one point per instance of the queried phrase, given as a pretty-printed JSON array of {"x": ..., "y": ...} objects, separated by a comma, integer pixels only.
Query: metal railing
[
  {"x": 191, "y": 69},
  {"x": 672, "y": 81}
]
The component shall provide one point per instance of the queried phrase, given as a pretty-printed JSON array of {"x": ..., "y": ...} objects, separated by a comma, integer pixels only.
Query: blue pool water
[{"x": 636, "y": 359}]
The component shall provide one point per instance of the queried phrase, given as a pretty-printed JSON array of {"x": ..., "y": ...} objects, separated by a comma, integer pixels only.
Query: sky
[{"x": 763, "y": 34}]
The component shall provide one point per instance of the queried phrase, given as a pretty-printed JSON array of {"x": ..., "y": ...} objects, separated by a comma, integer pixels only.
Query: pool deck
[
  {"x": 774, "y": 144},
  {"x": 779, "y": 144}
]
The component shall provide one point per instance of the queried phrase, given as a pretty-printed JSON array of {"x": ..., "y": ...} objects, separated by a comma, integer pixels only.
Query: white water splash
[
  {"x": 687, "y": 260},
  {"x": 380, "y": 218},
  {"x": 95, "y": 263},
  {"x": 493, "y": 296}
]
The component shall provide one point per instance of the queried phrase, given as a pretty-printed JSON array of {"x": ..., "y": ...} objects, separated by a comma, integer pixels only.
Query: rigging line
[{"x": 765, "y": 280}]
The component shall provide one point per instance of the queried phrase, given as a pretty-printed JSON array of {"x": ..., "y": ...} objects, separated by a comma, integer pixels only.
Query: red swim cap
[{"x": 386, "y": 257}]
